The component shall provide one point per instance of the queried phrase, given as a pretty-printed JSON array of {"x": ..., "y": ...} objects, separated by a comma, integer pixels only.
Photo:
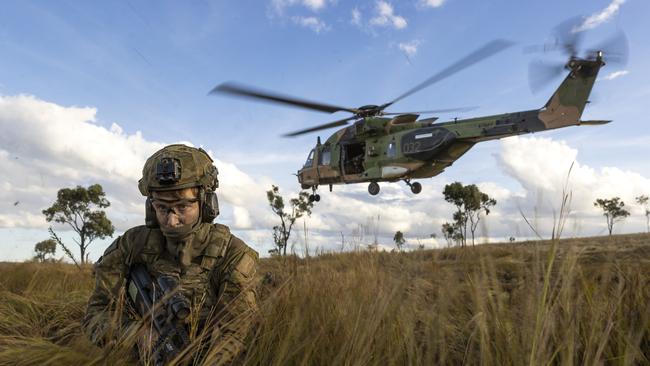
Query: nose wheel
[
  {"x": 314, "y": 197},
  {"x": 416, "y": 187}
]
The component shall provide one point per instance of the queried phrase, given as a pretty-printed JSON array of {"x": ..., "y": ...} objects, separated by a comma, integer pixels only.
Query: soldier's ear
[{"x": 150, "y": 219}]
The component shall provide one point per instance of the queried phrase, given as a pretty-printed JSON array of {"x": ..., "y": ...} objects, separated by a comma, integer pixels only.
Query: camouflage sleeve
[
  {"x": 237, "y": 306},
  {"x": 106, "y": 316}
]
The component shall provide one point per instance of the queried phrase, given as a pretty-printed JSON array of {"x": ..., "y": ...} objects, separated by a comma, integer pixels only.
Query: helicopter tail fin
[{"x": 566, "y": 105}]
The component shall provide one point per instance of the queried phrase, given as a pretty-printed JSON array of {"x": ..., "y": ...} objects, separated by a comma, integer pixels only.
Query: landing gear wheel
[
  {"x": 373, "y": 188},
  {"x": 416, "y": 187},
  {"x": 314, "y": 197}
]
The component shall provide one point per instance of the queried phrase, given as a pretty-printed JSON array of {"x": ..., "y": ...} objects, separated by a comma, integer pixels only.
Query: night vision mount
[{"x": 168, "y": 171}]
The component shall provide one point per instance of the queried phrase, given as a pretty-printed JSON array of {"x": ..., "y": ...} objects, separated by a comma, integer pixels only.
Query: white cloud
[
  {"x": 248, "y": 158},
  {"x": 599, "y": 18},
  {"x": 616, "y": 74},
  {"x": 395, "y": 208},
  {"x": 496, "y": 191},
  {"x": 241, "y": 190},
  {"x": 432, "y": 3},
  {"x": 242, "y": 218},
  {"x": 279, "y": 6},
  {"x": 46, "y": 147},
  {"x": 356, "y": 17},
  {"x": 541, "y": 166},
  {"x": 317, "y": 25},
  {"x": 386, "y": 17},
  {"x": 410, "y": 48},
  {"x": 314, "y": 4},
  {"x": 313, "y": 23}
]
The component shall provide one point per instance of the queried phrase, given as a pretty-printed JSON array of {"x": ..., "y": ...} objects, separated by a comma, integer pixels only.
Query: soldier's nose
[{"x": 172, "y": 219}]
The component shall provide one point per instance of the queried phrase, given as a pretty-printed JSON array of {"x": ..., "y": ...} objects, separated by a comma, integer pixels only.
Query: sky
[{"x": 89, "y": 90}]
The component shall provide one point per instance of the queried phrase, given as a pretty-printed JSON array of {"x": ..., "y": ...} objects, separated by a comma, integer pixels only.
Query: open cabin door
[{"x": 353, "y": 156}]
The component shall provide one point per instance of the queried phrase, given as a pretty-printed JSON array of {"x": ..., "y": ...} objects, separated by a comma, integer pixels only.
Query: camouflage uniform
[{"x": 216, "y": 273}]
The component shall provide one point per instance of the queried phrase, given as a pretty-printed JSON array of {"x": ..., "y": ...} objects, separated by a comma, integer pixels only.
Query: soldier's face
[{"x": 175, "y": 209}]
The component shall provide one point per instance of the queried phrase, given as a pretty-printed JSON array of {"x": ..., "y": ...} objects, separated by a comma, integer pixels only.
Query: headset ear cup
[
  {"x": 209, "y": 207},
  {"x": 150, "y": 219}
]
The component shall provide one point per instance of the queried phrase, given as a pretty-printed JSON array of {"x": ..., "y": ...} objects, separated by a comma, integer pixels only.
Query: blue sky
[{"x": 90, "y": 89}]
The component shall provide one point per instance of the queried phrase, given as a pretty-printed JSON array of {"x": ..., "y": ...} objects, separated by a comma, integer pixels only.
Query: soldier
[{"x": 215, "y": 270}]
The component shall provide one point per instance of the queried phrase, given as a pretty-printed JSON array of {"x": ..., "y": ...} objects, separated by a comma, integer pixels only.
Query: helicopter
[{"x": 380, "y": 146}]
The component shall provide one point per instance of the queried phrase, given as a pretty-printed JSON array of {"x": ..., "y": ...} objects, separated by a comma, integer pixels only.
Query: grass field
[{"x": 581, "y": 301}]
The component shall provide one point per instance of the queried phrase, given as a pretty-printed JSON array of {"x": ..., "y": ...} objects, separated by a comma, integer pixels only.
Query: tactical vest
[{"x": 200, "y": 282}]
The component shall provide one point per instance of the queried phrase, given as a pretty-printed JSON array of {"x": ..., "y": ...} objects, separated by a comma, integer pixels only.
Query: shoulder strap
[
  {"x": 140, "y": 241},
  {"x": 220, "y": 237}
]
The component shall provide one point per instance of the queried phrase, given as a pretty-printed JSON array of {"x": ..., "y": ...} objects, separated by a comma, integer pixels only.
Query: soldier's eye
[{"x": 183, "y": 208}]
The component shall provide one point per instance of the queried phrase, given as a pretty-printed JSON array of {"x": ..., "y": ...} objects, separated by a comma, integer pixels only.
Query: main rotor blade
[
  {"x": 250, "y": 92},
  {"x": 324, "y": 126},
  {"x": 482, "y": 53},
  {"x": 434, "y": 111}
]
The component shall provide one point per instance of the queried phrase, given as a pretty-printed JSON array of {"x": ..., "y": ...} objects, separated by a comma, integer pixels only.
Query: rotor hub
[{"x": 369, "y": 110}]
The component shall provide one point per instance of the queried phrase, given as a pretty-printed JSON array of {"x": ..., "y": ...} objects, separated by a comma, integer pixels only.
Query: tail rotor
[{"x": 567, "y": 38}]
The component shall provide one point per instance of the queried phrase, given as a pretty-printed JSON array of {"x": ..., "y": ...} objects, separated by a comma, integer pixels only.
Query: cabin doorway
[{"x": 353, "y": 157}]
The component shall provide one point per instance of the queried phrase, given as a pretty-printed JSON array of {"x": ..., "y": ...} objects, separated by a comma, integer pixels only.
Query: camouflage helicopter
[{"x": 388, "y": 147}]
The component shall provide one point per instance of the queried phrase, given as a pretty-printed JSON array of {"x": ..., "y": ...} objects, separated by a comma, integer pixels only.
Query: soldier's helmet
[{"x": 177, "y": 167}]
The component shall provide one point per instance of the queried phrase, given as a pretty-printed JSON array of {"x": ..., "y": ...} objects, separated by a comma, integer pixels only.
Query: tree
[
  {"x": 44, "y": 248},
  {"x": 453, "y": 194},
  {"x": 451, "y": 233},
  {"x": 399, "y": 240},
  {"x": 612, "y": 210},
  {"x": 643, "y": 201},
  {"x": 470, "y": 202},
  {"x": 81, "y": 208},
  {"x": 299, "y": 207},
  {"x": 460, "y": 227}
]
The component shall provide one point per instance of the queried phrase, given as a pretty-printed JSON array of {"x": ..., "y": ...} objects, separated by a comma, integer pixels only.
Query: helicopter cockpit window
[
  {"x": 391, "y": 150},
  {"x": 310, "y": 159},
  {"x": 325, "y": 156}
]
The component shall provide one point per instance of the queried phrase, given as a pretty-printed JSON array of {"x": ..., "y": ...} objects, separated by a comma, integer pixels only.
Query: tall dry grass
[
  {"x": 564, "y": 302},
  {"x": 41, "y": 307},
  {"x": 483, "y": 305}
]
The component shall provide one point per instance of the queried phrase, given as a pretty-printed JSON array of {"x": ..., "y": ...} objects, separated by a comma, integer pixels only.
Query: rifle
[{"x": 161, "y": 302}]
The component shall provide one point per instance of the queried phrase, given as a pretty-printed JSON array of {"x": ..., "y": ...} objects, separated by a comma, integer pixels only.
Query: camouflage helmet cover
[{"x": 176, "y": 167}]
